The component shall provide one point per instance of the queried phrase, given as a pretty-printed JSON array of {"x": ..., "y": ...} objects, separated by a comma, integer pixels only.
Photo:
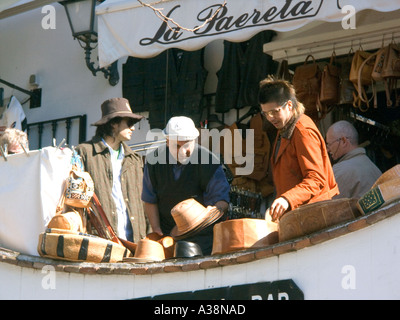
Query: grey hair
[{"x": 344, "y": 128}]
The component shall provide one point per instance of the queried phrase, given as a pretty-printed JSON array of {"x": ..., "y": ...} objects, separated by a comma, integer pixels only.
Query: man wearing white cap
[{"x": 178, "y": 171}]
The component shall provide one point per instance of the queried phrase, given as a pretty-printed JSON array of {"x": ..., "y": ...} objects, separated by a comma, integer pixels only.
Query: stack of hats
[
  {"x": 385, "y": 190},
  {"x": 191, "y": 217}
]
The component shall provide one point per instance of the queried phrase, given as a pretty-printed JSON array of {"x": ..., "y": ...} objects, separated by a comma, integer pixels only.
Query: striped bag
[{"x": 79, "y": 247}]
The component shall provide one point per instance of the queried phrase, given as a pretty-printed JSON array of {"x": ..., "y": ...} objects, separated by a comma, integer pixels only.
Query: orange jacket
[{"x": 302, "y": 170}]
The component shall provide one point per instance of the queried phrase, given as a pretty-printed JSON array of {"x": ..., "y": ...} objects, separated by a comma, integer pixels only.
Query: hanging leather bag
[
  {"x": 79, "y": 190},
  {"x": 360, "y": 75},
  {"x": 307, "y": 83},
  {"x": 346, "y": 86},
  {"x": 391, "y": 72},
  {"x": 330, "y": 81},
  {"x": 376, "y": 73},
  {"x": 364, "y": 77},
  {"x": 283, "y": 71}
]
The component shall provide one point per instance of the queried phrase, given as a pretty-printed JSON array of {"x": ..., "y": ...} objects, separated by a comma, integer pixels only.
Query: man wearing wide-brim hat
[
  {"x": 180, "y": 170},
  {"x": 116, "y": 170}
]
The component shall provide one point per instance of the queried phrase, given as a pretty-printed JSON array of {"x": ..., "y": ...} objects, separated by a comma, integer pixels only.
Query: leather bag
[
  {"x": 313, "y": 217},
  {"x": 307, "y": 83},
  {"x": 364, "y": 77},
  {"x": 330, "y": 81},
  {"x": 391, "y": 72},
  {"x": 360, "y": 75},
  {"x": 70, "y": 220},
  {"x": 346, "y": 86},
  {"x": 79, "y": 247}
]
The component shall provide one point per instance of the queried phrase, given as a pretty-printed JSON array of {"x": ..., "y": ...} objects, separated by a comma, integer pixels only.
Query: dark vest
[
  {"x": 191, "y": 184},
  {"x": 243, "y": 67}
]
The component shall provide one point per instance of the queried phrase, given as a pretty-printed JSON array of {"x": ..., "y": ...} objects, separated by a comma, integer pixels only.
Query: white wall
[
  {"x": 57, "y": 60},
  {"x": 68, "y": 87}
]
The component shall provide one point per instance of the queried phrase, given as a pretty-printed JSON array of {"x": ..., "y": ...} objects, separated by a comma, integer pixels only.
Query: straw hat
[
  {"x": 191, "y": 217},
  {"x": 116, "y": 107}
]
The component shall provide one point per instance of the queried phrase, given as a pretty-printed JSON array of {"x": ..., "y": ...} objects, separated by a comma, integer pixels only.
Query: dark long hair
[{"x": 106, "y": 130}]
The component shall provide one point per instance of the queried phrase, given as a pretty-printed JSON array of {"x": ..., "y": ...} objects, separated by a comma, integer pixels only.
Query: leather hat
[
  {"x": 116, "y": 107},
  {"x": 313, "y": 217},
  {"x": 239, "y": 234},
  {"x": 392, "y": 173},
  {"x": 147, "y": 251},
  {"x": 191, "y": 216},
  {"x": 167, "y": 242},
  {"x": 186, "y": 249}
]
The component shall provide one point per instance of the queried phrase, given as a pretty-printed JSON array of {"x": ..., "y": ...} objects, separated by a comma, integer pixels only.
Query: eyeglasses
[
  {"x": 130, "y": 122},
  {"x": 272, "y": 113},
  {"x": 328, "y": 145}
]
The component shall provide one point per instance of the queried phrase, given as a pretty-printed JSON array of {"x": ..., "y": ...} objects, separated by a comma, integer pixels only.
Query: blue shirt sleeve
[
  {"x": 217, "y": 189},
  {"x": 148, "y": 193}
]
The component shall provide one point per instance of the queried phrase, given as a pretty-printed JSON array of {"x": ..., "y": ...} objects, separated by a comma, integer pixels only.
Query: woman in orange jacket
[{"x": 301, "y": 168}]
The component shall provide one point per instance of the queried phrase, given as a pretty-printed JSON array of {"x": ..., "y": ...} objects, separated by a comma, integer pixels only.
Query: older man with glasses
[
  {"x": 302, "y": 172},
  {"x": 355, "y": 173}
]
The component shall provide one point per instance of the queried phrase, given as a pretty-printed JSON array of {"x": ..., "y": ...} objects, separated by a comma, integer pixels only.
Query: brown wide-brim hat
[
  {"x": 147, "y": 251},
  {"x": 116, "y": 107}
]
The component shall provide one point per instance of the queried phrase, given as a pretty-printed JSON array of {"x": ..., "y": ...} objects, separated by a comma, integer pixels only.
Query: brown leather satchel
[
  {"x": 307, "y": 83},
  {"x": 330, "y": 81},
  {"x": 360, "y": 74},
  {"x": 364, "y": 77}
]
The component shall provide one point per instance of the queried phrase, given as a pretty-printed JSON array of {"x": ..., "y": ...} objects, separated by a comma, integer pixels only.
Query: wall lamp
[{"x": 83, "y": 22}]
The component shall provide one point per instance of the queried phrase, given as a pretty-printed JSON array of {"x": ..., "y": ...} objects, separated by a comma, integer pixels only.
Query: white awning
[
  {"x": 9, "y": 8},
  {"x": 126, "y": 28}
]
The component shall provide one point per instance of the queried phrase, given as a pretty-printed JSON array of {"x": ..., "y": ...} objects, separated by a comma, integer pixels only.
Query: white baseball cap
[{"x": 181, "y": 128}]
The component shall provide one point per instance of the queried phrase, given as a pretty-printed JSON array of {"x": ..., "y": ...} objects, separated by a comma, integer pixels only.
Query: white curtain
[{"x": 30, "y": 188}]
